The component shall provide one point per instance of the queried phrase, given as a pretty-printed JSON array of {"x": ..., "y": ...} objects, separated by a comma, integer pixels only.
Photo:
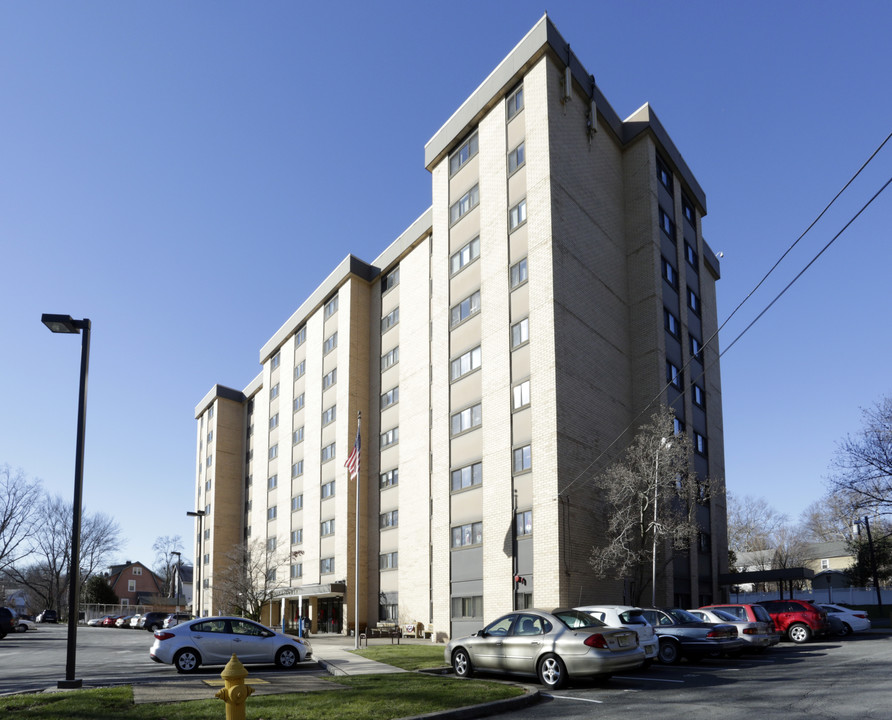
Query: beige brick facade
[{"x": 521, "y": 322}]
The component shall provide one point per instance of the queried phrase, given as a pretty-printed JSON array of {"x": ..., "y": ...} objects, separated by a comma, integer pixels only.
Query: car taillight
[
  {"x": 722, "y": 633},
  {"x": 163, "y": 635},
  {"x": 863, "y": 616},
  {"x": 749, "y": 631},
  {"x": 596, "y": 641}
]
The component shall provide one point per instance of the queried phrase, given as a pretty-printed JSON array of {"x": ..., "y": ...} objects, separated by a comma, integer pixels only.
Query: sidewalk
[{"x": 335, "y": 654}]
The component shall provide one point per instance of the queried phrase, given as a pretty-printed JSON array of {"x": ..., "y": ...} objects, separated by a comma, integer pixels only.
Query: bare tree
[
  {"x": 752, "y": 524},
  {"x": 50, "y": 541},
  {"x": 253, "y": 573},
  {"x": 19, "y": 501},
  {"x": 862, "y": 466},
  {"x": 828, "y": 519},
  {"x": 652, "y": 492},
  {"x": 164, "y": 561}
]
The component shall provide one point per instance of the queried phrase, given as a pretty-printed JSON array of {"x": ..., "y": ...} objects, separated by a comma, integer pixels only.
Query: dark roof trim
[{"x": 218, "y": 391}]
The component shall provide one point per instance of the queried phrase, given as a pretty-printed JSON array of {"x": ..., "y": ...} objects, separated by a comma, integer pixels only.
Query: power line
[{"x": 747, "y": 297}]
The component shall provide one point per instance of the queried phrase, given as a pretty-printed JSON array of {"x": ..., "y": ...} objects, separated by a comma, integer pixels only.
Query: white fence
[{"x": 844, "y": 596}]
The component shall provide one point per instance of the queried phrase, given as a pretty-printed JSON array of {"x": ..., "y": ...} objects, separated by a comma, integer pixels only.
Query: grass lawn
[
  {"x": 408, "y": 657},
  {"x": 370, "y": 697}
]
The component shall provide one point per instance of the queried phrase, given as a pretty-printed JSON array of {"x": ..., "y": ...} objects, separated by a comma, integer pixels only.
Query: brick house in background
[{"x": 133, "y": 583}]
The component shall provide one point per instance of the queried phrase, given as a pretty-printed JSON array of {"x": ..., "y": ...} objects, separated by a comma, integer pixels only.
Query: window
[
  {"x": 516, "y": 158},
  {"x": 390, "y": 359},
  {"x": 388, "y": 612},
  {"x": 515, "y": 102},
  {"x": 389, "y": 519},
  {"x": 517, "y": 215},
  {"x": 327, "y": 527},
  {"x": 248, "y": 505},
  {"x": 465, "y": 204},
  {"x": 666, "y": 225},
  {"x": 297, "y": 570},
  {"x": 136, "y": 570},
  {"x": 467, "y": 307},
  {"x": 677, "y": 426},
  {"x": 699, "y": 444},
  {"x": 523, "y": 523},
  {"x": 299, "y": 402},
  {"x": 699, "y": 397},
  {"x": 390, "y": 437},
  {"x": 521, "y": 395},
  {"x": 300, "y": 336},
  {"x": 274, "y": 362},
  {"x": 663, "y": 174},
  {"x": 520, "y": 333},
  {"x": 328, "y": 416},
  {"x": 690, "y": 255},
  {"x": 672, "y": 324},
  {"x": 687, "y": 209},
  {"x": 207, "y": 509},
  {"x": 210, "y": 437},
  {"x": 825, "y": 564},
  {"x": 466, "y": 419},
  {"x": 331, "y": 307},
  {"x": 297, "y": 503},
  {"x": 298, "y": 435},
  {"x": 271, "y": 513},
  {"x": 297, "y": 536},
  {"x": 328, "y": 452},
  {"x": 389, "y": 478},
  {"x": 389, "y": 320},
  {"x": 465, "y": 152},
  {"x": 465, "y": 363},
  {"x": 326, "y": 565},
  {"x": 705, "y": 542},
  {"x": 331, "y": 342},
  {"x": 465, "y": 255},
  {"x": 274, "y": 421},
  {"x": 207, "y": 485},
  {"x": 523, "y": 459},
  {"x": 131, "y": 586},
  {"x": 328, "y": 489},
  {"x": 470, "y": 534},
  {"x": 274, "y": 392},
  {"x": 329, "y": 379},
  {"x": 696, "y": 349},
  {"x": 468, "y": 476},
  {"x": 391, "y": 279},
  {"x": 272, "y": 482},
  {"x": 209, "y": 460},
  {"x": 297, "y": 469},
  {"x": 210, "y": 412},
  {"x": 249, "y": 480},
  {"x": 518, "y": 273},
  {"x": 273, "y": 452},
  {"x": 206, "y": 559},
  {"x": 271, "y": 544},
  {"x": 388, "y": 561},
  {"x": 391, "y": 397},
  {"x": 670, "y": 274},
  {"x": 693, "y": 302},
  {"x": 673, "y": 375},
  {"x": 300, "y": 369}
]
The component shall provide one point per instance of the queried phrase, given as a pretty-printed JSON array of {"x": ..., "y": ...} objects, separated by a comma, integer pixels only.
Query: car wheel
[
  {"x": 552, "y": 672},
  {"x": 799, "y": 633},
  {"x": 21, "y": 628},
  {"x": 187, "y": 660},
  {"x": 287, "y": 657},
  {"x": 461, "y": 663},
  {"x": 670, "y": 653},
  {"x": 846, "y": 630}
]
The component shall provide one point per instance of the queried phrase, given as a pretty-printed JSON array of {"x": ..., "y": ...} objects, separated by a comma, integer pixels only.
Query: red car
[
  {"x": 110, "y": 620},
  {"x": 799, "y": 620}
]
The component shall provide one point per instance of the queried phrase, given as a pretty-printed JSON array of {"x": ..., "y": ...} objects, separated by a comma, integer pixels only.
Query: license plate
[{"x": 624, "y": 641}]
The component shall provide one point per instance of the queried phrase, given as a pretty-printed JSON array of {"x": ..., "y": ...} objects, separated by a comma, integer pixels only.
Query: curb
[{"x": 530, "y": 696}]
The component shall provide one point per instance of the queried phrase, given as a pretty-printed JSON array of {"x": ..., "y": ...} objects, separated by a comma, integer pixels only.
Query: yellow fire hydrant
[{"x": 236, "y": 692}]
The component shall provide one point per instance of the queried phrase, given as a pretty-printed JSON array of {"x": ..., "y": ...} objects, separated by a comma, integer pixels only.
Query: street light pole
[
  {"x": 199, "y": 560},
  {"x": 66, "y": 324},
  {"x": 178, "y": 579}
]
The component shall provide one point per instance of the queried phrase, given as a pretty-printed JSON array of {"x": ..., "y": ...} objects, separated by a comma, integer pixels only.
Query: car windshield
[
  {"x": 682, "y": 616},
  {"x": 574, "y": 619},
  {"x": 633, "y": 617},
  {"x": 761, "y": 614},
  {"x": 724, "y": 615}
]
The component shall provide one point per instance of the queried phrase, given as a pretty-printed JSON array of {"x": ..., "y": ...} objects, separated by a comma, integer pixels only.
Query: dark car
[
  {"x": 7, "y": 622},
  {"x": 799, "y": 620},
  {"x": 153, "y": 620},
  {"x": 683, "y": 634},
  {"x": 47, "y": 616}
]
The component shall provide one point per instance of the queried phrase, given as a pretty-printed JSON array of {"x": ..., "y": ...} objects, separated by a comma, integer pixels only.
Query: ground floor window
[{"x": 465, "y": 608}]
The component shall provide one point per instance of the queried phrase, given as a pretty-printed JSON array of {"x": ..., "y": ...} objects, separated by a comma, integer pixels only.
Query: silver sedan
[{"x": 553, "y": 646}]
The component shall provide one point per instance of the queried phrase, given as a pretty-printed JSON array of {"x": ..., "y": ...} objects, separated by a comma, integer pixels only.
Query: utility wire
[{"x": 745, "y": 299}]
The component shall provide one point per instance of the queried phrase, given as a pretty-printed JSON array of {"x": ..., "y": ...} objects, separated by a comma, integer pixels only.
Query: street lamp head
[
  {"x": 196, "y": 513},
  {"x": 63, "y": 323}
]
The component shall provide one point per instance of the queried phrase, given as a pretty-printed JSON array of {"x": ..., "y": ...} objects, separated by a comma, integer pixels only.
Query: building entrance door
[{"x": 329, "y": 620}]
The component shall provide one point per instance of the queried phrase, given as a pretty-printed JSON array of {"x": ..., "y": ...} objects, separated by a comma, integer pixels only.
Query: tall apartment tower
[{"x": 557, "y": 285}]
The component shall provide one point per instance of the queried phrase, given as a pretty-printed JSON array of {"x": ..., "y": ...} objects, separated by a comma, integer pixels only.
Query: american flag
[{"x": 352, "y": 463}]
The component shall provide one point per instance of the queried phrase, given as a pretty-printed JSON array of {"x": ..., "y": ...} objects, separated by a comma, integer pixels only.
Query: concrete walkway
[{"x": 335, "y": 654}]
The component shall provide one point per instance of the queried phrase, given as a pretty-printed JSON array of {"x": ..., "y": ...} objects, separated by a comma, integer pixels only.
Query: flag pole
[{"x": 356, "y": 549}]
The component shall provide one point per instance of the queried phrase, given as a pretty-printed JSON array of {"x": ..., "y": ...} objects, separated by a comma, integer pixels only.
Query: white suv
[{"x": 632, "y": 618}]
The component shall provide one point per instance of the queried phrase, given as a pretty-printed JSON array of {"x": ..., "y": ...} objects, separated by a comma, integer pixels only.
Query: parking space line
[
  {"x": 646, "y": 679},
  {"x": 564, "y": 697}
]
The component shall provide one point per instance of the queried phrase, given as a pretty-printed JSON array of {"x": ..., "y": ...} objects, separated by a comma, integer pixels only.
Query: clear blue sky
[{"x": 185, "y": 174}]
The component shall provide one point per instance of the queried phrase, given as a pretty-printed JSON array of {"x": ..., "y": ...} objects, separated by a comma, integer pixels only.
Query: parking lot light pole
[
  {"x": 67, "y": 325},
  {"x": 196, "y": 595}
]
